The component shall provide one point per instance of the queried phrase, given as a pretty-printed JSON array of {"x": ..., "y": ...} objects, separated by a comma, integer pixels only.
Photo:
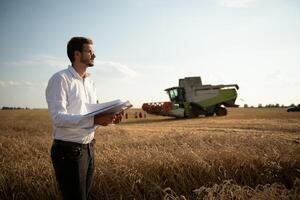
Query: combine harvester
[{"x": 191, "y": 99}]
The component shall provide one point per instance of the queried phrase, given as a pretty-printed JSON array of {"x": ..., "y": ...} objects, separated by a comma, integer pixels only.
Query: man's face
[{"x": 87, "y": 55}]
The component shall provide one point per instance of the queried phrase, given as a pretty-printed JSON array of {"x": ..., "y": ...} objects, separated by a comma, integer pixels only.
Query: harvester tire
[
  {"x": 221, "y": 111},
  {"x": 209, "y": 114},
  {"x": 196, "y": 110},
  {"x": 194, "y": 113}
]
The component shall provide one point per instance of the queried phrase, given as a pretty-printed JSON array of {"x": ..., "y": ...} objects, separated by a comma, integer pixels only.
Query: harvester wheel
[
  {"x": 194, "y": 113},
  {"x": 209, "y": 114},
  {"x": 195, "y": 110},
  {"x": 221, "y": 111}
]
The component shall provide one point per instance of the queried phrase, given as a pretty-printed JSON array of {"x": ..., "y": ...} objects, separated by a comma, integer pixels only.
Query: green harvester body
[{"x": 191, "y": 98}]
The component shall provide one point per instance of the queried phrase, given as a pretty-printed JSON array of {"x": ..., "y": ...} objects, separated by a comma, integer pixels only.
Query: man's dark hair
[{"x": 76, "y": 44}]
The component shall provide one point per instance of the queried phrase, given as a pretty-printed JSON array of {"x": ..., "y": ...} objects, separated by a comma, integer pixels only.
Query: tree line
[
  {"x": 14, "y": 108},
  {"x": 277, "y": 105}
]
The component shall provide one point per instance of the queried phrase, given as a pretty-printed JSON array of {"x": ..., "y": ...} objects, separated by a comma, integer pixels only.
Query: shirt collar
[{"x": 75, "y": 74}]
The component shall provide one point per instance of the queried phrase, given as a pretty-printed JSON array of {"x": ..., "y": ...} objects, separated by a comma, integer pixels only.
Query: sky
[{"x": 145, "y": 46}]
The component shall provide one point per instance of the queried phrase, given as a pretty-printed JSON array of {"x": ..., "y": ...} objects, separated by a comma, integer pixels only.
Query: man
[{"x": 67, "y": 93}]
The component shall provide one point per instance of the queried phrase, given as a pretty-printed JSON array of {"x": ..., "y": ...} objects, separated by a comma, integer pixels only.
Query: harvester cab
[
  {"x": 176, "y": 95},
  {"x": 191, "y": 99}
]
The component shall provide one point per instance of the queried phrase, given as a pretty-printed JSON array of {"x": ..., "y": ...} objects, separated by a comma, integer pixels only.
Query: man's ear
[{"x": 77, "y": 54}]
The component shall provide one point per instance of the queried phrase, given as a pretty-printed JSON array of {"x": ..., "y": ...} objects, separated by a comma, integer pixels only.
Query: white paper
[{"x": 111, "y": 107}]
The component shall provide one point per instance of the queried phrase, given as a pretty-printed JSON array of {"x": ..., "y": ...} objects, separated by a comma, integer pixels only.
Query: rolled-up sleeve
[{"x": 56, "y": 96}]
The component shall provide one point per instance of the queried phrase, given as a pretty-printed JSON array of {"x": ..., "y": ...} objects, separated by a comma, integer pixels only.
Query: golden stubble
[{"x": 249, "y": 154}]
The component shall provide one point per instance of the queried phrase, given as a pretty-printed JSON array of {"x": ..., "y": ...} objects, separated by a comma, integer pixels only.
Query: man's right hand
[{"x": 103, "y": 120}]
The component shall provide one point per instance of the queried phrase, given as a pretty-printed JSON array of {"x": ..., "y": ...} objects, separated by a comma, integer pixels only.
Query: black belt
[{"x": 67, "y": 143}]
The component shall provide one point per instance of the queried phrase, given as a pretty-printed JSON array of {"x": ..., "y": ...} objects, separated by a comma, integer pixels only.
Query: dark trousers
[{"x": 74, "y": 168}]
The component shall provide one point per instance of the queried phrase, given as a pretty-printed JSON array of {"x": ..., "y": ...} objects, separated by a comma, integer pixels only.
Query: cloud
[
  {"x": 38, "y": 60},
  {"x": 9, "y": 83},
  {"x": 282, "y": 79},
  {"x": 109, "y": 69},
  {"x": 12, "y": 83},
  {"x": 235, "y": 3}
]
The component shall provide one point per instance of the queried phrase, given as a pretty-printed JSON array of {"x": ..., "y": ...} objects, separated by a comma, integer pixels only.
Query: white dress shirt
[{"x": 66, "y": 95}]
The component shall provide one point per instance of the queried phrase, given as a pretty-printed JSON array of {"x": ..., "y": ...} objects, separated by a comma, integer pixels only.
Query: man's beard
[{"x": 88, "y": 62}]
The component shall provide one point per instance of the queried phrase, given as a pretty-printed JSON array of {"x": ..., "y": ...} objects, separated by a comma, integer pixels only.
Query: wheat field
[{"x": 249, "y": 154}]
